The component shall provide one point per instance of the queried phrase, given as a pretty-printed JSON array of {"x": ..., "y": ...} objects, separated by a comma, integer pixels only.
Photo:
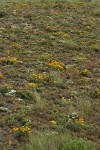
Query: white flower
[{"x": 11, "y": 93}]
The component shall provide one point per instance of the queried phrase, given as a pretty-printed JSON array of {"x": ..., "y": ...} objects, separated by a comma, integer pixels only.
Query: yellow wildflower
[
  {"x": 15, "y": 45},
  {"x": 80, "y": 121},
  {"x": 23, "y": 129},
  {"x": 38, "y": 76},
  {"x": 66, "y": 35},
  {"x": 24, "y": 4},
  {"x": 29, "y": 132},
  {"x": 53, "y": 122},
  {"x": 1, "y": 75},
  {"x": 16, "y": 129},
  {"x": 8, "y": 52},
  {"x": 86, "y": 71},
  {"x": 95, "y": 45},
  {"x": 31, "y": 85},
  {"x": 12, "y": 59},
  {"x": 98, "y": 91},
  {"x": 10, "y": 142},
  {"x": 56, "y": 64}
]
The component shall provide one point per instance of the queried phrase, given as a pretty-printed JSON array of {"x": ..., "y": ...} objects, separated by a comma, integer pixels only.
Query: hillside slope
[{"x": 49, "y": 70}]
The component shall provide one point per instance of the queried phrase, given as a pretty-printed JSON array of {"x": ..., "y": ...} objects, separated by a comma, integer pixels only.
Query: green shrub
[{"x": 2, "y": 14}]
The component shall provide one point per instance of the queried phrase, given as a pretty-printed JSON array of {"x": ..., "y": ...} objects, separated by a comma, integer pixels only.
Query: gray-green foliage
[{"x": 54, "y": 141}]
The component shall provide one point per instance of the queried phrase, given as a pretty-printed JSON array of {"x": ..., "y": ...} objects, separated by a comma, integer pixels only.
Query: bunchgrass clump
[
  {"x": 54, "y": 141},
  {"x": 96, "y": 12}
]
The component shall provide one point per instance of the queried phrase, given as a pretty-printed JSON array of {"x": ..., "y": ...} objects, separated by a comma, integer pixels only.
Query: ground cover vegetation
[{"x": 49, "y": 75}]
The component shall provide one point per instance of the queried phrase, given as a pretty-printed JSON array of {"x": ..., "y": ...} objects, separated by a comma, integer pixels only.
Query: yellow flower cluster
[
  {"x": 81, "y": 33},
  {"x": 53, "y": 122},
  {"x": 31, "y": 85},
  {"x": 24, "y": 4},
  {"x": 12, "y": 59},
  {"x": 1, "y": 75},
  {"x": 95, "y": 45},
  {"x": 15, "y": 129},
  {"x": 66, "y": 35},
  {"x": 84, "y": 79},
  {"x": 52, "y": 81},
  {"x": 15, "y": 45},
  {"x": 50, "y": 28},
  {"x": 8, "y": 52},
  {"x": 22, "y": 129},
  {"x": 85, "y": 71},
  {"x": 9, "y": 59},
  {"x": 10, "y": 142},
  {"x": 20, "y": 5},
  {"x": 98, "y": 91},
  {"x": 56, "y": 64},
  {"x": 38, "y": 76},
  {"x": 80, "y": 121}
]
